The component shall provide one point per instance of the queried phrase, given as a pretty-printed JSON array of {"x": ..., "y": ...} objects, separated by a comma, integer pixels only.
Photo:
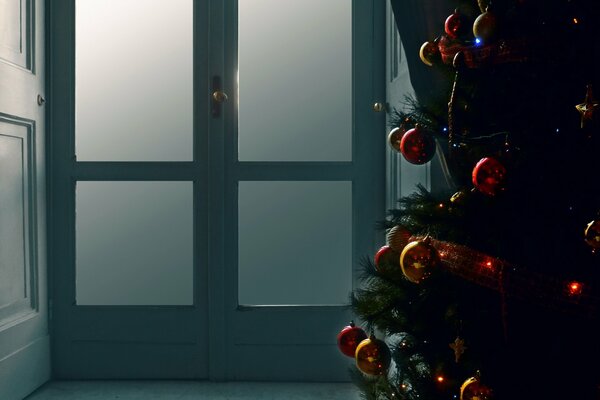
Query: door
[
  {"x": 24, "y": 340},
  {"x": 175, "y": 195},
  {"x": 303, "y": 180},
  {"x": 130, "y": 188}
]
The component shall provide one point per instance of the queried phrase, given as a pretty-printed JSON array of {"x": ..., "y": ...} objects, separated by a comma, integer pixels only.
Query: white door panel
[{"x": 24, "y": 341}]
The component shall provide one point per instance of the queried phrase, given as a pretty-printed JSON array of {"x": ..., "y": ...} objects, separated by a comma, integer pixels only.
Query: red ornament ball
[
  {"x": 386, "y": 257},
  {"x": 417, "y": 145},
  {"x": 489, "y": 176},
  {"x": 455, "y": 25},
  {"x": 349, "y": 338}
]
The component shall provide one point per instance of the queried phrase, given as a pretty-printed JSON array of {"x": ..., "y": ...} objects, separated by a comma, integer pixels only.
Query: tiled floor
[{"x": 187, "y": 390}]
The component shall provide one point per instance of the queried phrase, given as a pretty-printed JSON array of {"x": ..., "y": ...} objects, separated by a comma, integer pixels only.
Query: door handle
[
  {"x": 380, "y": 107},
  {"x": 218, "y": 96}
]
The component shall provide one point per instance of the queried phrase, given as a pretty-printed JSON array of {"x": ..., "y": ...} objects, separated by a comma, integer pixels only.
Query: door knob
[
  {"x": 379, "y": 107},
  {"x": 219, "y": 96}
]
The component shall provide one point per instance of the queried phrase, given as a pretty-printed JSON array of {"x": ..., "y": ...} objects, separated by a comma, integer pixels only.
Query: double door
[{"x": 217, "y": 172}]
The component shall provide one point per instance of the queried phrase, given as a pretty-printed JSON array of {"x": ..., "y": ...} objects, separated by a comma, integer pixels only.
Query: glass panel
[
  {"x": 134, "y": 243},
  {"x": 295, "y": 88},
  {"x": 295, "y": 243},
  {"x": 133, "y": 80}
]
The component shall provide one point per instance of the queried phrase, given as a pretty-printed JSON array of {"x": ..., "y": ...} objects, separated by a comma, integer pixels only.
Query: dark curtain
[{"x": 419, "y": 21}]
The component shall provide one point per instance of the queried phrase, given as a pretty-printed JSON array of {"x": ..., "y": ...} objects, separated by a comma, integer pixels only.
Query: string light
[
  {"x": 575, "y": 21},
  {"x": 575, "y": 288},
  {"x": 477, "y": 41},
  {"x": 440, "y": 378}
]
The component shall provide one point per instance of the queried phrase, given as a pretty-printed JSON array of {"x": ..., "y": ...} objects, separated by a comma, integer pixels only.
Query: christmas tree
[{"x": 488, "y": 288}]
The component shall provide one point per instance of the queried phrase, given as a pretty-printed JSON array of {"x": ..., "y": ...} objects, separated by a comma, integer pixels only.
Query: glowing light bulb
[
  {"x": 575, "y": 288},
  {"x": 477, "y": 41},
  {"x": 575, "y": 21},
  {"x": 440, "y": 378}
]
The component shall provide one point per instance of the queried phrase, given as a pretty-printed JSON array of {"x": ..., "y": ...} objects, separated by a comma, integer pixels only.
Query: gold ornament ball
[
  {"x": 483, "y": 4},
  {"x": 459, "y": 198},
  {"x": 397, "y": 238},
  {"x": 592, "y": 234},
  {"x": 395, "y": 137},
  {"x": 485, "y": 26},
  {"x": 373, "y": 356},
  {"x": 473, "y": 389},
  {"x": 418, "y": 260},
  {"x": 430, "y": 53}
]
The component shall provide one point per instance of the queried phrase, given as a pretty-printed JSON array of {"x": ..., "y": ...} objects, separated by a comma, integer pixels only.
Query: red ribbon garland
[
  {"x": 475, "y": 56},
  {"x": 514, "y": 282}
]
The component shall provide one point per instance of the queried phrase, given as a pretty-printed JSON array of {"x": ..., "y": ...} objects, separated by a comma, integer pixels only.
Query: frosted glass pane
[
  {"x": 295, "y": 80},
  {"x": 133, "y": 80},
  {"x": 295, "y": 242},
  {"x": 134, "y": 243}
]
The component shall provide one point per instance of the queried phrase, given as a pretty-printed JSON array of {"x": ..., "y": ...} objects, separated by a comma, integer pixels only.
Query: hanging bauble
[
  {"x": 395, "y": 137},
  {"x": 397, "y": 238},
  {"x": 417, "y": 145},
  {"x": 418, "y": 260},
  {"x": 455, "y": 25},
  {"x": 473, "y": 389},
  {"x": 430, "y": 53},
  {"x": 485, "y": 26},
  {"x": 459, "y": 198},
  {"x": 489, "y": 176},
  {"x": 386, "y": 259},
  {"x": 373, "y": 356},
  {"x": 588, "y": 107},
  {"x": 349, "y": 338},
  {"x": 592, "y": 234},
  {"x": 483, "y": 4}
]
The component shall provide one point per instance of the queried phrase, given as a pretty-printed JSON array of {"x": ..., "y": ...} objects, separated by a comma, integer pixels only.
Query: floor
[{"x": 184, "y": 390}]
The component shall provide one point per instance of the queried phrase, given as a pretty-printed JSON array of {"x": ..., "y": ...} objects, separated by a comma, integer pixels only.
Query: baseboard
[{"x": 24, "y": 370}]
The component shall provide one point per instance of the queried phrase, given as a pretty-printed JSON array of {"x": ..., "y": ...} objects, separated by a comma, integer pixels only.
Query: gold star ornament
[
  {"x": 588, "y": 107},
  {"x": 459, "y": 348}
]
